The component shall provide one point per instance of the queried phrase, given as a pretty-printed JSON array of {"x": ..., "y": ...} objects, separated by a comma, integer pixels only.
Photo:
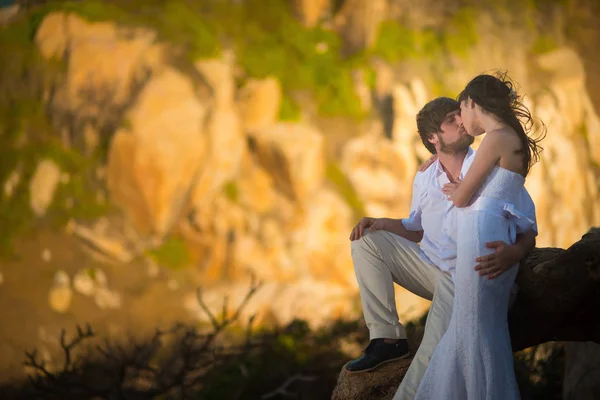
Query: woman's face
[{"x": 468, "y": 117}]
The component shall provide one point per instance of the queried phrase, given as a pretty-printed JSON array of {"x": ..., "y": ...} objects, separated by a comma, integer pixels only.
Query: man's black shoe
[{"x": 377, "y": 353}]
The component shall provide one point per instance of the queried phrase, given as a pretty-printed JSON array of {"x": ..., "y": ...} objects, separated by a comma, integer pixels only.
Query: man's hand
[
  {"x": 372, "y": 224},
  {"x": 428, "y": 163},
  {"x": 501, "y": 260}
]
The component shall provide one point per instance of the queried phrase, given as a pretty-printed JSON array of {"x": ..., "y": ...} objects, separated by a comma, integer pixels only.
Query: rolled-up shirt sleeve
[
  {"x": 526, "y": 206},
  {"x": 413, "y": 222}
]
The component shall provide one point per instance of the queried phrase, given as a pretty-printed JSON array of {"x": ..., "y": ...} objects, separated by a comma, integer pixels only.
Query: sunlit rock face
[
  {"x": 106, "y": 66},
  {"x": 565, "y": 182},
  {"x": 309, "y": 12},
  {"x": 358, "y": 22},
  {"x": 160, "y": 153},
  {"x": 210, "y": 161}
]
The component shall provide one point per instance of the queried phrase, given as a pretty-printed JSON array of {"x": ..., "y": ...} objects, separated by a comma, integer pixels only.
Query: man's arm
[
  {"x": 367, "y": 224},
  {"x": 505, "y": 256},
  {"x": 414, "y": 232},
  {"x": 396, "y": 226}
]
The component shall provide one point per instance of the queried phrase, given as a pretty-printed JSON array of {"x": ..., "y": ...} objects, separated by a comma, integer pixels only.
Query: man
[{"x": 385, "y": 250}]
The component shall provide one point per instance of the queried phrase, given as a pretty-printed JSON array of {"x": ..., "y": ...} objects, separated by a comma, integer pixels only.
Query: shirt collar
[
  {"x": 439, "y": 171},
  {"x": 438, "y": 168}
]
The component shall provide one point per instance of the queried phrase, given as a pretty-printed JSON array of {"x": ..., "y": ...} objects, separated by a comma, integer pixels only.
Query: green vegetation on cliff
[
  {"x": 345, "y": 188},
  {"x": 396, "y": 42},
  {"x": 172, "y": 254},
  {"x": 21, "y": 111},
  {"x": 28, "y": 135},
  {"x": 268, "y": 41},
  {"x": 266, "y": 38}
]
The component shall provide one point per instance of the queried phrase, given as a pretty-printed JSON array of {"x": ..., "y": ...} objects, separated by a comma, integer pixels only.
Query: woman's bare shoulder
[{"x": 505, "y": 137}]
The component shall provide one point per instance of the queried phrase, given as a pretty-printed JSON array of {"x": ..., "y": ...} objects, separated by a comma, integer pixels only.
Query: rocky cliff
[{"x": 221, "y": 163}]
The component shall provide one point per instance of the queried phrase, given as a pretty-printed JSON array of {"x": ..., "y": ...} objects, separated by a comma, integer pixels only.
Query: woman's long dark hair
[{"x": 495, "y": 94}]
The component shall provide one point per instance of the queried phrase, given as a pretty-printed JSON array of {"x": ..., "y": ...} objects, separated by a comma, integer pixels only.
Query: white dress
[{"x": 474, "y": 359}]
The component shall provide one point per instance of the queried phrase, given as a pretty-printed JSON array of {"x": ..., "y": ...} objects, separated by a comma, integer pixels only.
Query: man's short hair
[{"x": 431, "y": 116}]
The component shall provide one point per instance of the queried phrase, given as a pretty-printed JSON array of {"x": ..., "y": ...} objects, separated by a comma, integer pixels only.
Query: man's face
[{"x": 453, "y": 138}]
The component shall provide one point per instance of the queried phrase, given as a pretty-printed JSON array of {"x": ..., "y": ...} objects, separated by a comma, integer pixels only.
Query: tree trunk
[{"x": 558, "y": 300}]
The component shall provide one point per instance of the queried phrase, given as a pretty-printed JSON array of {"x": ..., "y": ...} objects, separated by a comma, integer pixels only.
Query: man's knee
[
  {"x": 357, "y": 245},
  {"x": 364, "y": 249},
  {"x": 373, "y": 243},
  {"x": 365, "y": 243}
]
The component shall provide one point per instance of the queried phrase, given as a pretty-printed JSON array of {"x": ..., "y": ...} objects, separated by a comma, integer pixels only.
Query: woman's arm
[{"x": 488, "y": 155}]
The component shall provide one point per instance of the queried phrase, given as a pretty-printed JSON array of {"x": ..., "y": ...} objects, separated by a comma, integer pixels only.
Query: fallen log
[{"x": 558, "y": 300}]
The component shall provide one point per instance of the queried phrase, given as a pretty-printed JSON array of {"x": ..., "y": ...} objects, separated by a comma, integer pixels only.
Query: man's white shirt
[{"x": 431, "y": 212}]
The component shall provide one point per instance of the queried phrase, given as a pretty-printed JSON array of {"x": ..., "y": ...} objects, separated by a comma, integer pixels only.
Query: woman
[{"x": 474, "y": 358}]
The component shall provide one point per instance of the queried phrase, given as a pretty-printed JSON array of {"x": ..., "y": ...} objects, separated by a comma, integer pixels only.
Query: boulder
[
  {"x": 558, "y": 301},
  {"x": 154, "y": 163},
  {"x": 294, "y": 156},
  {"x": 43, "y": 185},
  {"x": 259, "y": 102},
  {"x": 310, "y": 11},
  {"x": 358, "y": 23}
]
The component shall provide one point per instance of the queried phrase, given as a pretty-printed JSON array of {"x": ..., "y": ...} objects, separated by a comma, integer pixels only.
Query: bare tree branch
[
  {"x": 283, "y": 389},
  {"x": 173, "y": 361}
]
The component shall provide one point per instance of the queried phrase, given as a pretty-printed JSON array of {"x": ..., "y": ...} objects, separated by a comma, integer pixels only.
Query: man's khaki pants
[{"x": 382, "y": 258}]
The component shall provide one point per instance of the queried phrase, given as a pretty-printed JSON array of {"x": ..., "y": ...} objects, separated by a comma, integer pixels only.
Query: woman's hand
[
  {"x": 449, "y": 188},
  {"x": 427, "y": 163}
]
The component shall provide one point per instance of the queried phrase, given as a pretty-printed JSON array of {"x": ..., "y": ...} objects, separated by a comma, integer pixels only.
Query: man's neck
[{"x": 452, "y": 163}]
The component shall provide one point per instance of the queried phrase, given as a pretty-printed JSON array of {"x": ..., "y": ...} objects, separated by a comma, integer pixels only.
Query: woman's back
[{"x": 510, "y": 148}]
